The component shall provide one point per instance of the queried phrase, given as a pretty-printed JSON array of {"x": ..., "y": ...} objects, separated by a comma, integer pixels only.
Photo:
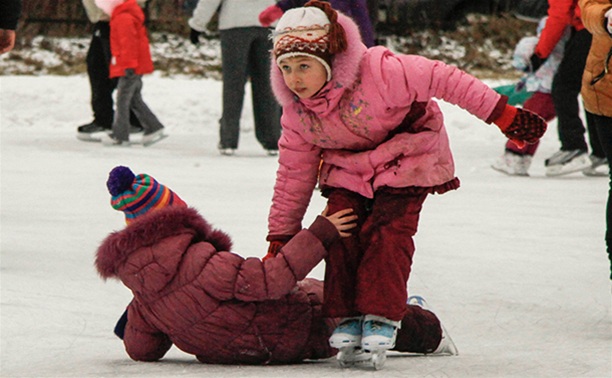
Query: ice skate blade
[{"x": 349, "y": 357}]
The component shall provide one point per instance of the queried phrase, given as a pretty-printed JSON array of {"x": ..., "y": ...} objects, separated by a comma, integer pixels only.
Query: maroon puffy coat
[{"x": 191, "y": 292}]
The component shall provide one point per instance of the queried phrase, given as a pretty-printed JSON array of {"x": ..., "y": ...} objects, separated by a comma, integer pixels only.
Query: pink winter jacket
[
  {"x": 191, "y": 292},
  {"x": 374, "y": 124}
]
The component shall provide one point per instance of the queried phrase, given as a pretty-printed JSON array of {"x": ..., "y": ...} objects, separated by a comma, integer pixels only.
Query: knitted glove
[
  {"x": 535, "y": 62},
  {"x": 276, "y": 243},
  {"x": 269, "y": 15},
  {"x": 194, "y": 36},
  {"x": 521, "y": 125}
]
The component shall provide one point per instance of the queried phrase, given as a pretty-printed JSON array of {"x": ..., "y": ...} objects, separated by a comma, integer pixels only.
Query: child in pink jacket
[{"x": 369, "y": 115}]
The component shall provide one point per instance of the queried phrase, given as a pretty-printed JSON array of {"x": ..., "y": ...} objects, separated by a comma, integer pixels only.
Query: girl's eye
[{"x": 304, "y": 66}]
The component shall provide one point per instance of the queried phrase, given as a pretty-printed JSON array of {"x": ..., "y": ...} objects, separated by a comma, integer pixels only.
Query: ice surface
[{"x": 515, "y": 267}]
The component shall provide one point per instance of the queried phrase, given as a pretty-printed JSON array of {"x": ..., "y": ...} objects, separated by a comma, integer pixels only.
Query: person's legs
[
  {"x": 344, "y": 257},
  {"x": 595, "y": 140},
  {"x": 149, "y": 121},
  {"x": 234, "y": 56},
  {"x": 386, "y": 239},
  {"x": 98, "y": 60},
  {"x": 603, "y": 125},
  {"x": 126, "y": 89},
  {"x": 266, "y": 110},
  {"x": 565, "y": 90}
]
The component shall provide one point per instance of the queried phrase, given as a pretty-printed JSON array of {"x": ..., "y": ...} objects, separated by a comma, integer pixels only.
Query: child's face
[{"x": 304, "y": 75}]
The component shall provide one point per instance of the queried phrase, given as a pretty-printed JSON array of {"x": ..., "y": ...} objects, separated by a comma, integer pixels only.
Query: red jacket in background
[
  {"x": 129, "y": 41},
  {"x": 561, "y": 13}
]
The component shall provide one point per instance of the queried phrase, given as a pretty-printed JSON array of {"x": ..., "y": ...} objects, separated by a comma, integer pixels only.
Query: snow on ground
[{"x": 514, "y": 267}]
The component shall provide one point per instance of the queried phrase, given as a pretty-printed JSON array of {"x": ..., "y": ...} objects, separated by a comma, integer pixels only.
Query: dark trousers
[
  {"x": 102, "y": 87},
  {"x": 367, "y": 272},
  {"x": 603, "y": 127},
  {"x": 129, "y": 100},
  {"x": 566, "y": 88},
  {"x": 245, "y": 54}
]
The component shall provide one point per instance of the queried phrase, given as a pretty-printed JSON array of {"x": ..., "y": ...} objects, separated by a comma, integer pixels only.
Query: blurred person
[
  {"x": 356, "y": 9},
  {"x": 516, "y": 160},
  {"x": 131, "y": 58},
  {"x": 245, "y": 55},
  {"x": 10, "y": 11},
  {"x": 573, "y": 155},
  {"x": 597, "y": 87},
  {"x": 101, "y": 85}
]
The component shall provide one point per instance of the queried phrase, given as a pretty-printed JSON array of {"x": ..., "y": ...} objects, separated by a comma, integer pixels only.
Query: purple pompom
[{"x": 120, "y": 179}]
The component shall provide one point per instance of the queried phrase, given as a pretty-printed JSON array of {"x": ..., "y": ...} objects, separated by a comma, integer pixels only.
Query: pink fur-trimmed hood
[{"x": 345, "y": 65}]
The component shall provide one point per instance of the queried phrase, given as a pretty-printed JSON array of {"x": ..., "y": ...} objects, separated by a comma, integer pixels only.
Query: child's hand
[
  {"x": 521, "y": 125},
  {"x": 343, "y": 220}
]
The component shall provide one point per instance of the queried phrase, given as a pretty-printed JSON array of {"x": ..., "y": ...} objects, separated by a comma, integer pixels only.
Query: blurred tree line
[{"x": 68, "y": 18}]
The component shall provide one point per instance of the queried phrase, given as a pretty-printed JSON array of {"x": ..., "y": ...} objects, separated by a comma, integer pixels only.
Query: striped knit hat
[{"x": 136, "y": 195}]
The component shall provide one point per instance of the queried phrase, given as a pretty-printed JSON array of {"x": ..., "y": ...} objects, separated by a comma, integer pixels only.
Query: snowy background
[{"x": 515, "y": 267}]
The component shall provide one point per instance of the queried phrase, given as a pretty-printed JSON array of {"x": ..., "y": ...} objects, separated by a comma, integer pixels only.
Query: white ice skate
[
  {"x": 513, "y": 164},
  {"x": 566, "y": 162},
  {"x": 378, "y": 336},
  {"x": 446, "y": 347},
  {"x": 347, "y": 339}
]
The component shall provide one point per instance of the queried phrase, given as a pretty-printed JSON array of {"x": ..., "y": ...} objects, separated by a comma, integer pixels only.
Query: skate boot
[
  {"x": 513, "y": 164},
  {"x": 565, "y": 162},
  {"x": 446, "y": 347},
  {"x": 92, "y": 132},
  {"x": 378, "y": 336},
  {"x": 598, "y": 168},
  {"x": 347, "y": 339}
]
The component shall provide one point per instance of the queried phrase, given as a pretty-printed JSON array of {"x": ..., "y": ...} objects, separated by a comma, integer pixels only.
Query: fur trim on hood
[
  {"x": 345, "y": 65},
  {"x": 152, "y": 228}
]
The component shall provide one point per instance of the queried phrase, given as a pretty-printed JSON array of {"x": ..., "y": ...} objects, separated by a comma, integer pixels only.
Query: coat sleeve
[
  {"x": 202, "y": 14},
  {"x": 560, "y": 15},
  {"x": 593, "y": 14},
  {"x": 278, "y": 276},
  {"x": 143, "y": 342},
  {"x": 402, "y": 80},
  {"x": 296, "y": 178}
]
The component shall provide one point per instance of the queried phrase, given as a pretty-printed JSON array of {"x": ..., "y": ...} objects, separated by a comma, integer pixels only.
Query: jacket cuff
[
  {"x": 498, "y": 110},
  {"x": 324, "y": 230}
]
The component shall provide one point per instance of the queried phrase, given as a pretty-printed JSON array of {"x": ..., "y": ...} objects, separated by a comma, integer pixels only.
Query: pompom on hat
[
  {"x": 136, "y": 195},
  {"x": 313, "y": 31}
]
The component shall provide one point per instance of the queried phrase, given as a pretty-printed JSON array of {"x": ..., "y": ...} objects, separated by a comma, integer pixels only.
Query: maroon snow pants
[{"x": 367, "y": 272}]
